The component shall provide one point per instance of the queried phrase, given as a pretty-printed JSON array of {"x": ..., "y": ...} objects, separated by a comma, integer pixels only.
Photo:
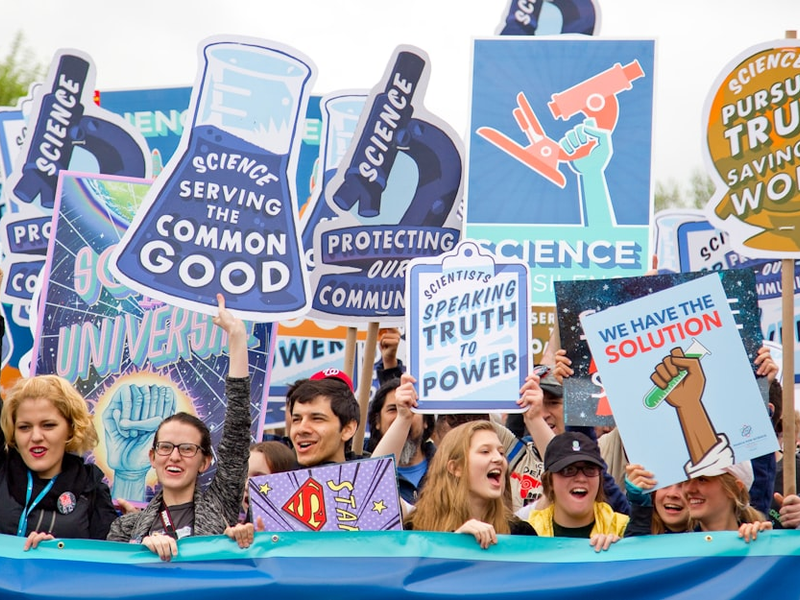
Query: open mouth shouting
[
  {"x": 495, "y": 477},
  {"x": 579, "y": 492}
]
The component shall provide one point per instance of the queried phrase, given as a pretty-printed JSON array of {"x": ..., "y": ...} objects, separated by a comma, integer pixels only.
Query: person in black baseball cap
[{"x": 572, "y": 485}]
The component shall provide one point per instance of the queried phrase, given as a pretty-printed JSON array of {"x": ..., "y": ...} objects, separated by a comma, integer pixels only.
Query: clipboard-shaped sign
[{"x": 468, "y": 330}]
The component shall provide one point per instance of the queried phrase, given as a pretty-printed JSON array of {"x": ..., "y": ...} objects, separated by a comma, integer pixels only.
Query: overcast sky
[{"x": 153, "y": 43}]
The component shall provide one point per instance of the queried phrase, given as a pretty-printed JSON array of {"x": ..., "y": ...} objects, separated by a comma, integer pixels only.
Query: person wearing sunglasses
[
  {"x": 182, "y": 451},
  {"x": 572, "y": 485}
]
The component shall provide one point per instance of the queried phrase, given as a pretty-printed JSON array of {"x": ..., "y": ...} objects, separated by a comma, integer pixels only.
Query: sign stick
[
  {"x": 350, "y": 351},
  {"x": 787, "y": 341},
  {"x": 365, "y": 384}
]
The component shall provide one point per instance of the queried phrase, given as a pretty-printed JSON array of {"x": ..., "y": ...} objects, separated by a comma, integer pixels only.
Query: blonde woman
[
  {"x": 468, "y": 488},
  {"x": 46, "y": 488},
  {"x": 722, "y": 502}
]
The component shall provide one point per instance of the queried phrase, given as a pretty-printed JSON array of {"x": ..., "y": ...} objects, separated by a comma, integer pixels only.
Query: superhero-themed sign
[
  {"x": 468, "y": 331},
  {"x": 359, "y": 495},
  {"x": 586, "y": 401},
  {"x": 560, "y": 156},
  {"x": 679, "y": 381},
  {"x": 752, "y": 149},
  {"x": 395, "y": 195},
  {"x": 222, "y": 215},
  {"x": 135, "y": 359}
]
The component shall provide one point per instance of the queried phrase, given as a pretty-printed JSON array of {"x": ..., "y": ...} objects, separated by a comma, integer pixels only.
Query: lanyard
[
  {"x": 168, "y": 523},
  {"x": 26, "y": 510}
]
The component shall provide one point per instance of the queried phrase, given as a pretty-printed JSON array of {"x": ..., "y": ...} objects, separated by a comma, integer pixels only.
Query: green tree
[
  {"x": 672, "y": 195},
  {"x": 18, "y": 70}
]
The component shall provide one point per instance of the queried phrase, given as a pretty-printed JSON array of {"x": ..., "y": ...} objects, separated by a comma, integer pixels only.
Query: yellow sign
[{"x": 753, "y": 150}]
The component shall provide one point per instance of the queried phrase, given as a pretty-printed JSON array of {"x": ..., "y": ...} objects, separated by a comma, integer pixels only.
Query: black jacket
[{"x": 78, "y": 505}]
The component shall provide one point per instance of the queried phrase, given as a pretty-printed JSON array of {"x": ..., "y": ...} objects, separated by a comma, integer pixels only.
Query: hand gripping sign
[
  {"x": 395, "y": 195},
  {"x": 222, "y": 217},
  {"x": 595, "y": 98}
]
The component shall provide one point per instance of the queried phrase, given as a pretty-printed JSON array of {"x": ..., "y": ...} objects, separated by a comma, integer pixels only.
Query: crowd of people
[{"x": 476, "y": 474}]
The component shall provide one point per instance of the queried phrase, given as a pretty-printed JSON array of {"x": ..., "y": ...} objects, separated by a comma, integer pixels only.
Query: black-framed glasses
[
  {"x": 572, "y": 470},
  {"x": 186, "y": 449}
]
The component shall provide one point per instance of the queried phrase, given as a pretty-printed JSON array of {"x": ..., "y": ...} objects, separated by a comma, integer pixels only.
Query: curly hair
[
  {"x": 444, "y": 504},
  {"x": 64, "y": 397}
]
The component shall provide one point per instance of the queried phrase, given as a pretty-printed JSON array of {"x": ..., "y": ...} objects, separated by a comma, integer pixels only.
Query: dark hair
[
  {"x": 451, "y": 421},
  {"x": 279, "y": 457},
  {"x": 550, "y": 494},
  {"x": 374, "y": 415},
  {"x": 776, "y": 399},
  {"x": 186, "y": 418},
  {"x": 343, "y": 402}
]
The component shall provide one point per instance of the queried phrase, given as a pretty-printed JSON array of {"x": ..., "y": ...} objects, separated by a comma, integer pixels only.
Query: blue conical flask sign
[{"x": 222, "y": 217}]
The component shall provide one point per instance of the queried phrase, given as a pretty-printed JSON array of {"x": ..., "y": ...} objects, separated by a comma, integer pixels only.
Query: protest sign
[
  {"x": 396, "y": 196},
  {"x": 65, "y": 130},
  {"x": 468, "y": 330},
  {"x": 560, "y": 156},
  {"x": 358, "y": 495},
  {"x": 679, "y": 381},
  {"x": 751, "y": 150},
  {"x": 113, "y": 344},
  {"x": 550, "y": 17},
  {"x": 222, "y": 216},
  {"x": 687, "y": 241},
  {"x": 159, "y": 114},
  {"x": 585, "y": 400}
]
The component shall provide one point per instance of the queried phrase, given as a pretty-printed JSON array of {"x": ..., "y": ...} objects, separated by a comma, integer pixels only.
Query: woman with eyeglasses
[
  {"x": 571, "y": 482},
  {"x": 182, "y": 450}
]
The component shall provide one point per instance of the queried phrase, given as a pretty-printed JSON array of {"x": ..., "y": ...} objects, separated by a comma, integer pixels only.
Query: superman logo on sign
[{"x": 307, "y": 505}]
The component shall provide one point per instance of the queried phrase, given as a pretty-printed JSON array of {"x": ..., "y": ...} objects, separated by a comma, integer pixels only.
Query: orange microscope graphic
[{"x": 595, "y": 97}]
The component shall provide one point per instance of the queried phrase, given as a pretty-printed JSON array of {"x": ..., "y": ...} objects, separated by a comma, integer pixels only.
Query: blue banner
[{"x": 408, "y": 565}]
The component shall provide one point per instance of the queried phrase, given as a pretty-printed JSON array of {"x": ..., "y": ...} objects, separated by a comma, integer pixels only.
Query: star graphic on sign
[
  {"x": 378, "y": 506},
  {"x": 265, "y": 489}
]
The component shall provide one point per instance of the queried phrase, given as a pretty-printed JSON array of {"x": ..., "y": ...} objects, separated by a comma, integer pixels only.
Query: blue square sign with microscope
[{"x": 468, "y": 330}]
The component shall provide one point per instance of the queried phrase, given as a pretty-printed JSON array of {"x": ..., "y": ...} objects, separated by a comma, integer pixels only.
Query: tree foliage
[
  {"x": 696, "y": 195},
  {"x": 18, "y": 70}
]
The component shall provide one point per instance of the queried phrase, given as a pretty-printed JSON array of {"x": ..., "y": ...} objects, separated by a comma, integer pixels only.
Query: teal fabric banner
[{"x": 390, "y": 565}]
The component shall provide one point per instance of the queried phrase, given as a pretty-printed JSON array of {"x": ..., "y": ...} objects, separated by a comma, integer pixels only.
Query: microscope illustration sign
[
  {"x": 395, "y": 195},
  {"x": 680, "y": 382},
  {"x": 65, "y": 130},
  {"x": 560, "y": 156},
  {"x": 222, "y": 216}
]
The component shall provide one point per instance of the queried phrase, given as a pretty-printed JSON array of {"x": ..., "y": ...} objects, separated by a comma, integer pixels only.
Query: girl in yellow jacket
[{"x": 571, "y": 482}]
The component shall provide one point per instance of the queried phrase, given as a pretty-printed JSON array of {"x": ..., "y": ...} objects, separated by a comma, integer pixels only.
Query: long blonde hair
[
  {"x": 444, "y": 503},
  {"x": 67, "y": 401},
  {"x": 741, "y": 500}
]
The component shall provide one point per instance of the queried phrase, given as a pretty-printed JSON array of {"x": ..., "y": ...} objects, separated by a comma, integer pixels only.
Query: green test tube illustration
[{"x": 656, "y": 395}]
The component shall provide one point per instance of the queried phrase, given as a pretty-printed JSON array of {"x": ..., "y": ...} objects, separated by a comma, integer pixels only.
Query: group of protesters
[{"x": 482, "y": 475}]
